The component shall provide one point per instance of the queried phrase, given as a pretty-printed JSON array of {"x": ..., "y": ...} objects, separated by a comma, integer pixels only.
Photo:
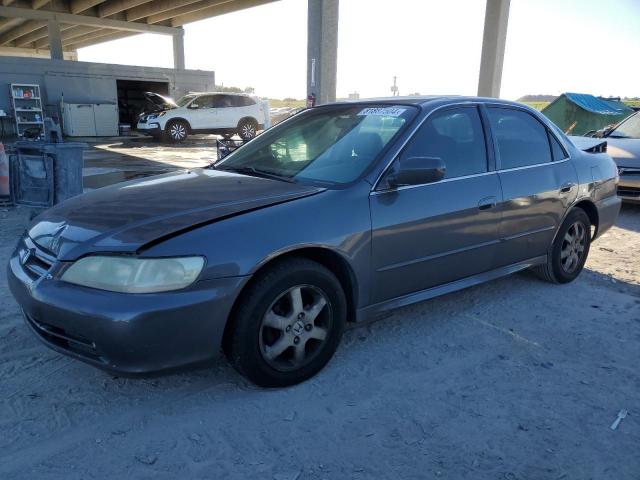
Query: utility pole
[{"x": 394, "y": 88}]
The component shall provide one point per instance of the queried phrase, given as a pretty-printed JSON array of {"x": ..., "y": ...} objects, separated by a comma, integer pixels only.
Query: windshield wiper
[
  {"x": 256, "y": 172},
  {"x": 618, "y": 136}
]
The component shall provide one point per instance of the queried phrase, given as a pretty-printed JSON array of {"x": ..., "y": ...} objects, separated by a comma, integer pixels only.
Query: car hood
[
  {"x": 625, "y": 151},
  {"x": 159, "y": 101},
  {"x": 127, "y": 216}
]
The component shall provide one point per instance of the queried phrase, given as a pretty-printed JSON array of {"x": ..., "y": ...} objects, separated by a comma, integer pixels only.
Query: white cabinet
[{"x": 90, "y": 120}]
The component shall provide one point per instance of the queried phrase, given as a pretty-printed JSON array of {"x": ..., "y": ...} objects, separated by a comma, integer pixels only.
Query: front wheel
[
  {"x": 288, "y": 323},
  {"x": 177, "y": 131},
  {"x": 569, "y": 250}
]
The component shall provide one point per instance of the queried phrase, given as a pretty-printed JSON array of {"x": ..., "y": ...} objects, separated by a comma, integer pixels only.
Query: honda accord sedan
[{"x": 339, "y": 214}]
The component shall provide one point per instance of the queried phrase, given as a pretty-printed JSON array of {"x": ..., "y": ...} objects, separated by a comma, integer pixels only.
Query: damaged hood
[{"x": 127, "y": 216}]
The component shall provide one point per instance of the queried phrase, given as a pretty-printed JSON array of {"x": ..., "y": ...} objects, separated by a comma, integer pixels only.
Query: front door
[
  {"x": 202, "y": 112},
  {"x": 538, "y": 183},
  {"x": 432, "y": 234}
]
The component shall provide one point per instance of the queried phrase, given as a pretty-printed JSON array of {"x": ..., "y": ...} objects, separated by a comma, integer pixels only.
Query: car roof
[
  {"x": 220, "y": 93},
  {"x": 424, "y": 100}
]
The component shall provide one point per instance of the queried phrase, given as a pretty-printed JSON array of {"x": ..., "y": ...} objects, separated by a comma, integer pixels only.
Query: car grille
[
  {"x": 63, "y": 339},
  {"x": 35, "y": 262},
  {"x": 628, "y": 171},
  {"x": 629, "y": 192}
]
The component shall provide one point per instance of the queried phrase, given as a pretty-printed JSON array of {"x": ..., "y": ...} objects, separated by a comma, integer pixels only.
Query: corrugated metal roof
[{"x": 598, "y": 105}]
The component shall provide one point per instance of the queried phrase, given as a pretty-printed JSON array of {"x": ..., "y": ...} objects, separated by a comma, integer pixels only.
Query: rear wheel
[
  {"x": 288, "y": 324},
  {"x": 569, "y": 250},
  {"x": 177, "y": 131},
  {"x": 247, "y": 129}
]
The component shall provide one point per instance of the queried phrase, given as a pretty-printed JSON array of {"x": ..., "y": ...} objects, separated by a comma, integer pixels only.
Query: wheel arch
[
  {"x": 591, "y": 210},
  {"x": 330, "y": 259},
  {"x": 250, "y": 118},
  {"x": 181, "y": 119}
]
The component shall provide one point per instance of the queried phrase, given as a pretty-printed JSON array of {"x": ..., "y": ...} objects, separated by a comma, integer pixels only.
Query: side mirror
[
  {"x": 417, "y": 171},
  {"x": 194, "y": 105}
]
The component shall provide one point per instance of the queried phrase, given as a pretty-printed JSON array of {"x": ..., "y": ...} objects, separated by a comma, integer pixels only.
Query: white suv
[{"x": 225, "y": 114}]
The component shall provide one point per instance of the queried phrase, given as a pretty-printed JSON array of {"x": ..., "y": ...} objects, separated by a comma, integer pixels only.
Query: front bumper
[
  {"x": 125, "y": 333},
  {"x": 149, "y": 127},
  {"x": 629, "y": 188}
]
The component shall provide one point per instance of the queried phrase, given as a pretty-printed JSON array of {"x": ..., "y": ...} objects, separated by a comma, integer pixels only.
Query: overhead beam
[
  {"x": 78, "y": 6},
  {"x": 106, "y": 38},
  {"x": 43, "y": 15},
  {"x": 68, "y": 33},
  {"x": 38, "y": 4},
  {"x": 104, "y": 32},
  {"x": 494, "y": 40},
  {"x": 153, "y": 8},
  {"x": 34, "y": 53},
  {"x": 217, "y": 10},
  {"x": 190, "y": 8},
  {"x": 7, "y": 24},
  {"x": 24, "y": 29},
  {"x": 111, "y": 7},
  {"x": 34, "y": 36}
]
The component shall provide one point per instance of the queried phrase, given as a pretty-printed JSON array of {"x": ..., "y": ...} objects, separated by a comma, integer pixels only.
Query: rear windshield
[{"x": 334, "y": 144}]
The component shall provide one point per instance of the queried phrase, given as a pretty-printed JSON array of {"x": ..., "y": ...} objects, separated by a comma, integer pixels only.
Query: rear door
[
  {"x": 538, "y": 183},
  {"x": 428, "y": 235}
]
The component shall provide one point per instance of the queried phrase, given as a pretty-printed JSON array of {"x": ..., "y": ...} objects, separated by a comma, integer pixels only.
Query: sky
[{"x": 431, "y": 46}]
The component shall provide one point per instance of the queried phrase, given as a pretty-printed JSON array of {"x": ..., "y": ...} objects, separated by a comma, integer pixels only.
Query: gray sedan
[
  {"x": 337, "y": 215},
  {"x": 623, "y": 144}
]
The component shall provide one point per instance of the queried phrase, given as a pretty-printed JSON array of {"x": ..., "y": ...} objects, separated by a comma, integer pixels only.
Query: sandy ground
[{"x": 514, "y": 380}]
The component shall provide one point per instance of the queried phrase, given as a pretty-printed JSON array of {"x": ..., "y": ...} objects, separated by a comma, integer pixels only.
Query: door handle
[
  {"x": 487, "y": 203},
  {"x": 566, "y": 187}
]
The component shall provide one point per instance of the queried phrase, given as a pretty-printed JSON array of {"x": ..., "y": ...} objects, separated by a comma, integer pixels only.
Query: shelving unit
[{"x": 27, "y": 107}]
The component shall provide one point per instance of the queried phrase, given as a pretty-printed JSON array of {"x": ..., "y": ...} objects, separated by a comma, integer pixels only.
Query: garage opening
[{"x": 131, "y": 99}]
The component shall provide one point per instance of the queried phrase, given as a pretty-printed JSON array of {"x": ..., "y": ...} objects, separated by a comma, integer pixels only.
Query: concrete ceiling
[{"x": 23, "y": 23}]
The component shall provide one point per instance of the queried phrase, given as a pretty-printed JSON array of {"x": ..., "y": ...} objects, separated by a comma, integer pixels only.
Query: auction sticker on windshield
[{"x": 383, "y": 111}]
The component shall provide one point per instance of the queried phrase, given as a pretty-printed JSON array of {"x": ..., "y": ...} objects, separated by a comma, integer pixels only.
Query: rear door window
[
  {"x": 521, "y": 139},
  {"x": 242, "y": 101},
  {"x": 455, "y": 136}
]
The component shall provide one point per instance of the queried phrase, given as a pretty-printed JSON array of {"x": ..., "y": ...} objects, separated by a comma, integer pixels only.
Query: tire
[
  {"x": 569, "y": 251},
  {"x": 247, "y": 129},
  {"x": 176, "y": 131},
  {"x": 279, "y": 337}
]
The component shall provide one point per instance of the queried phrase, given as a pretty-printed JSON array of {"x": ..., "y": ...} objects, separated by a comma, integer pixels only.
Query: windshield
[
  {"x": 333, "y": 144},
  {"x": 184, "y": 100},
  {"x": 629, "y": 128}
]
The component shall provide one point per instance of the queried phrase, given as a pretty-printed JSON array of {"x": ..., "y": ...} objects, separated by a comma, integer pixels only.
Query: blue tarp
[{"x": 598, "y": 105}]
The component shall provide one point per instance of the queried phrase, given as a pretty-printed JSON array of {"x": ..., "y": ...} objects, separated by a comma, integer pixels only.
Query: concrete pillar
[
  {"x": 55, "y": 40},
  {"x": 494, "y": 40},
  {"x": 178, "y": 50},
  {"x": 322, "y": 49}
]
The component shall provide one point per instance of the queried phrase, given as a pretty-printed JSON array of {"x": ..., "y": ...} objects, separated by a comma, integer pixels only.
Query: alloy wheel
[
  {"x": 295, "y": 327},
  {"x": 573, "y": 247},
  {"x": 248, "y": 130},
  {"x": 178, "y": 131}
]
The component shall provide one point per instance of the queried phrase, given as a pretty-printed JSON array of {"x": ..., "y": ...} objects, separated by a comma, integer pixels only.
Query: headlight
[{"x": 134, "y": 275}]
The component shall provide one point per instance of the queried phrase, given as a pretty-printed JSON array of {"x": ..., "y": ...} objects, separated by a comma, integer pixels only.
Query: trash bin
[{"x": 43, "y": 174}]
